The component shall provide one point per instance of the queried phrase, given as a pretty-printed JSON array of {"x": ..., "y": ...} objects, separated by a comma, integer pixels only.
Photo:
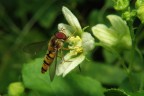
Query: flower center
[{"x": 75, "y": 45}]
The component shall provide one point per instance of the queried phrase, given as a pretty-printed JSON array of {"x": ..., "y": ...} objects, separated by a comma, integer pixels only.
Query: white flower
[
  {"x": 79, "y": 43},
  {"x": 116, "y": 36}
]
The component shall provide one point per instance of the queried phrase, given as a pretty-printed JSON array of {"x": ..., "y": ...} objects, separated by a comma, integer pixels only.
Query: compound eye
[{"x": 60, "y": 35}]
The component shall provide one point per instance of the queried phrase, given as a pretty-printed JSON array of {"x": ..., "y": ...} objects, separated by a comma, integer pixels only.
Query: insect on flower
[{"x": 55, "y": 44}]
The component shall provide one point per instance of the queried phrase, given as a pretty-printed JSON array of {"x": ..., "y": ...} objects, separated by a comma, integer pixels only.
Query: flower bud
[
  {"x": 129, "y": 15},
  {"x": 140, "y": 13},
  {"x": 139, "y": 3},
  {"x": 15, "y": 89},
  {"x": 121, "y": 4}
]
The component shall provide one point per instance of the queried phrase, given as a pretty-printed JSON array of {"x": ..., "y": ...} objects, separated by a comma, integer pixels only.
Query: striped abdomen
[{"x": 48, "y": 59}]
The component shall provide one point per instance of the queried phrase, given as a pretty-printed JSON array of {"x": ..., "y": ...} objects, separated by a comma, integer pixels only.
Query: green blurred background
[{"x": 26, "y": 21}]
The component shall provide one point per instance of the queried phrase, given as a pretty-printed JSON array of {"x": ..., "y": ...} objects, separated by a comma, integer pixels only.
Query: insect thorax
[{"x": 55, "y": 44}]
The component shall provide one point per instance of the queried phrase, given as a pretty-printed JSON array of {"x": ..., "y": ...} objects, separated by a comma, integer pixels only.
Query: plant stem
[
  {"x": 137, "y": 49},
  {"x": 117, "y": 54},
  {"x": 141, "y": 83},
  {"x": 130, "y": 23},
  {"x": 141, "y": 56}
]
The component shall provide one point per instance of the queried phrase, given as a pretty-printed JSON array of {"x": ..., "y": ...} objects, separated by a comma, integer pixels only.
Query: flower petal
[
  {"x": 121, "y": 29},
  {"x": 68, "y": 30},
  {"x": 72, "y": 20},
  {"x": 104, "y": 34},
  {"x": 87, "y": 41},
  {"x": 69, "y": 64},
  {"x": 118, "y": 25},
  {"x": 118, "y": 35}
]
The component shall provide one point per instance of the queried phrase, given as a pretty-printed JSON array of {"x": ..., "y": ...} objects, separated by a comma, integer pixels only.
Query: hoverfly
[{"x": 54, "y": 45}]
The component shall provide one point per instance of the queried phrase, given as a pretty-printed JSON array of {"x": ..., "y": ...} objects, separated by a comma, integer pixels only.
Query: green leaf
[
  {"x": 109, "y": 57},
  {"x": 133, "y": 82},
  {"x": 141, "y": 93},
  {"x": 37, "y": 93},
  {"x": 137, "y": 62},
  {"x": 105, "y": 73},
  {"x": 72, "y": 84},
  {"x": 85, "y": 86},
  {"x": 35, "y": 80},
  {"x": 115, "y": 92}
]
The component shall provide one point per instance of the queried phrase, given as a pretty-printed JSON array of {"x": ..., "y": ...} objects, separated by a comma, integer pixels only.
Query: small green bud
[
  {"x": 129, "y": 15},
  {"x": 15, "y": 89},
  {"x": 140, "y": 13},
  {"x": 139, "y": 3},
  {"x": 121, "y": 4},
  {"x": 126, "y": 15},
  {"x": 133, "y": 13}
]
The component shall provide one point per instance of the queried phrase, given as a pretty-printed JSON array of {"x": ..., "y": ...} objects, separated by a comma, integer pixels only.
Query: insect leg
[{"x": 62, "y": 56}]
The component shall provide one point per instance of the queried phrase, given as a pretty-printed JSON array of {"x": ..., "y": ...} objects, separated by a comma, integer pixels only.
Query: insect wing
[
  {"x": 52, "y": 69},
  {"x": 36, "y": 48}
]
